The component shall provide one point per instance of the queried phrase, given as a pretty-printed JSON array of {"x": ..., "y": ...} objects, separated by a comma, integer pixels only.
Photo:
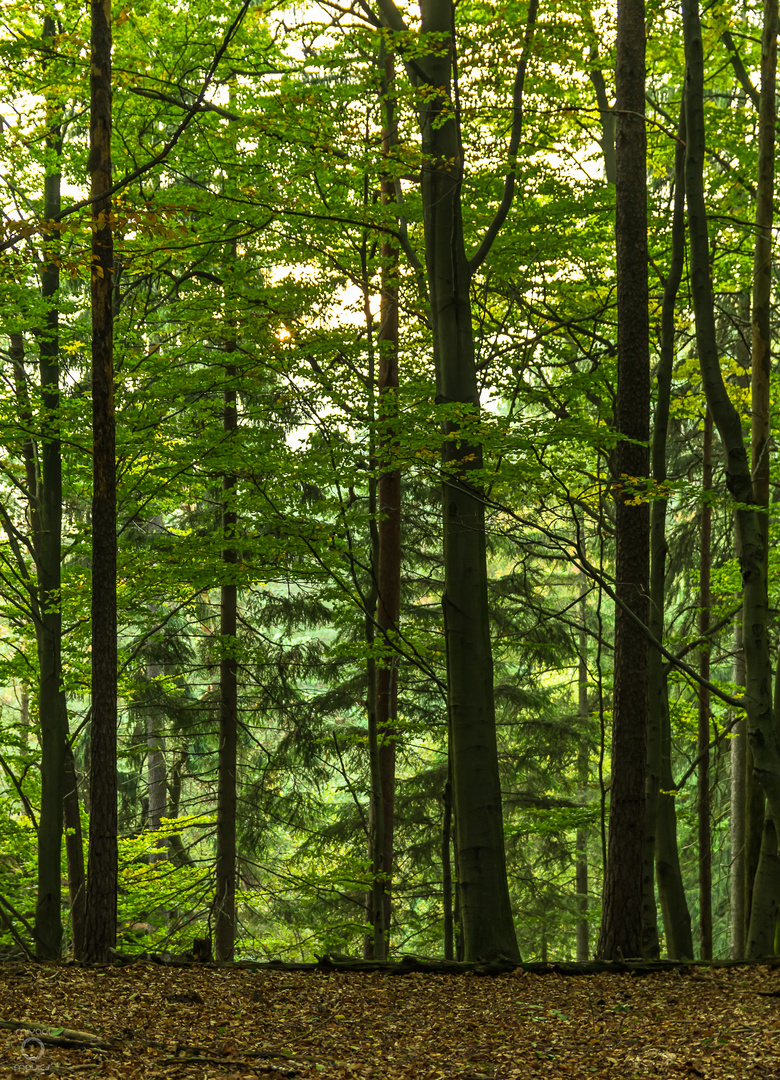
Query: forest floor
[{"x": 144, "y": 1020}]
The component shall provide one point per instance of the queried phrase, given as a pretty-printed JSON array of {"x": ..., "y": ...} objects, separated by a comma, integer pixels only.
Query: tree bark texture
[
  {"x": 74, "y": 850},
  {"x": 737, "y": 815},
  {"x": 225, "y": 871},
  {"x": 762, "y": 902},
  {"x": 621, "y": 927},
  {"x": 388, "y": 584},
  {"x": 482, "y": 882},
  {"x": 703, "y": 769},
  {"x": 155, "y": 764},
  {"x": 660, "y": 811},
  {"x": 758, "y": 692},
  {"x": 446, "y": 873},
  {"x": 100, "y": 928},
  {"x": 582, "y": 930},
  {"x": 45, "y": 502}
]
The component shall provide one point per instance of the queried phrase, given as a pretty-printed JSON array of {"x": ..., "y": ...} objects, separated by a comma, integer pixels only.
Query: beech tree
[
  {"x": 621, "y": 928},
  {"x": 335, "y": 277},
  {"x": 100, "y": 927}
]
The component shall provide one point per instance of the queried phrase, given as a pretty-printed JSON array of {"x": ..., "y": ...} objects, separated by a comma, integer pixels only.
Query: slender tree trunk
[
  {"x": 621, "y": 927},
  {"x": 583, "y": 777},
  {"x": 661, "y": 814},
  {"x": 703, "y": 771},
  {"x": 737, "y": 818},
  {"x": 374, "y": 943},
  {"x": 225, "y": 902},
  {"x": 482, "y": 881},
  {"x": 46, "y": 518},
  {"x": 674, "y": 904},
  {"x": 758, "y": 692},
  {"x": 178, "y": 853},
  {"x": 74, "y": 850},
  {"x": 155, "y": 765},
  {"x": 765, "y": 884},
  {"x": 100, "y": 928},
  {"x": 446, "y": 872},
  {"x": 389, "y": 525}
]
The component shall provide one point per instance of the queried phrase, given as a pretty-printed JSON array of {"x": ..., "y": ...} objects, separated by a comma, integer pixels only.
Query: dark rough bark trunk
[
  {"x": 764, "y": 897},
  {"x": 703, "y": 770},
  {"x": 738, "y": 817},
  {"x": 100, "y": 928},
  {"x": 621, "y": 927},
  {"x": 446, "y": 873},
  {"x": 758, "y": 691},
  {"x": 46, "y": 520},
  {"x": 225, "y": 899}
]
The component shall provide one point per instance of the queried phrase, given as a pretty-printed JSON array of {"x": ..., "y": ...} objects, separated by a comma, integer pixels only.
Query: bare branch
[{"x": 514, "y": 142}]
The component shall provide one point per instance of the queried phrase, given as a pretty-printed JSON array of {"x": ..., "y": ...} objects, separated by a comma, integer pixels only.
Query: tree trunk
[
  {"x": 764, "y": 902},
  {"x": 621, "y": 927},
  {"x": 758, "y": 691},
  {"x": 446, "y": 873},
  {"x": 737, "y": 818},
  {"x": 100, "y": 928},
  {"x": 661, "y": 814},
  {"x": 583, "y": 771},
  {"x": 671, "y": 891},
  {"x": 46, "y": 520},
  {"x": 483, "y": 892},
  {"x": 178, "y": 852},
  {"x": 155, "y": 764},
  {"x": 74, "y": 849},
  {"x": 703, "y": 770},
  {"x": 225, "y": 900},
  {"x": 389, "y": 524},
  {"x": 485, "y": 909}
]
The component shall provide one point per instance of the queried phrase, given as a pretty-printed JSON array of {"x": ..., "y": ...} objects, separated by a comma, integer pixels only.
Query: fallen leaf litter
[{"x": 142, "y": 1020}]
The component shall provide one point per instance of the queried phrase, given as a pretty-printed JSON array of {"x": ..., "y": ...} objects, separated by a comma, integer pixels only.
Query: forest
[{"x": 386, "y": 545}]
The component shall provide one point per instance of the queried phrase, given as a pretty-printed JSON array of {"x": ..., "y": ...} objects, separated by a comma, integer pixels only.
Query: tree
[
  {"x": 750, "y": 528},
  {"x": 100, "y": 928},
  {"x": 621, "y": 927},
  {"x": 483, "y": 892}
]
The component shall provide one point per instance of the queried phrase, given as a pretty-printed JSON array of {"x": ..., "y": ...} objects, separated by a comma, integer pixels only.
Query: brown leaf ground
[{"x": 228, "y": 1022}]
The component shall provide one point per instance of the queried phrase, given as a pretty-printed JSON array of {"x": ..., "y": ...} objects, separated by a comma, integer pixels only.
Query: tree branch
[{"x": 514, "y": 142}]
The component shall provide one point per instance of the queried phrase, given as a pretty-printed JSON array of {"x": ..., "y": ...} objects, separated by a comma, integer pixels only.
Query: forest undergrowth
[{"x": 144, "y": 1020}]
